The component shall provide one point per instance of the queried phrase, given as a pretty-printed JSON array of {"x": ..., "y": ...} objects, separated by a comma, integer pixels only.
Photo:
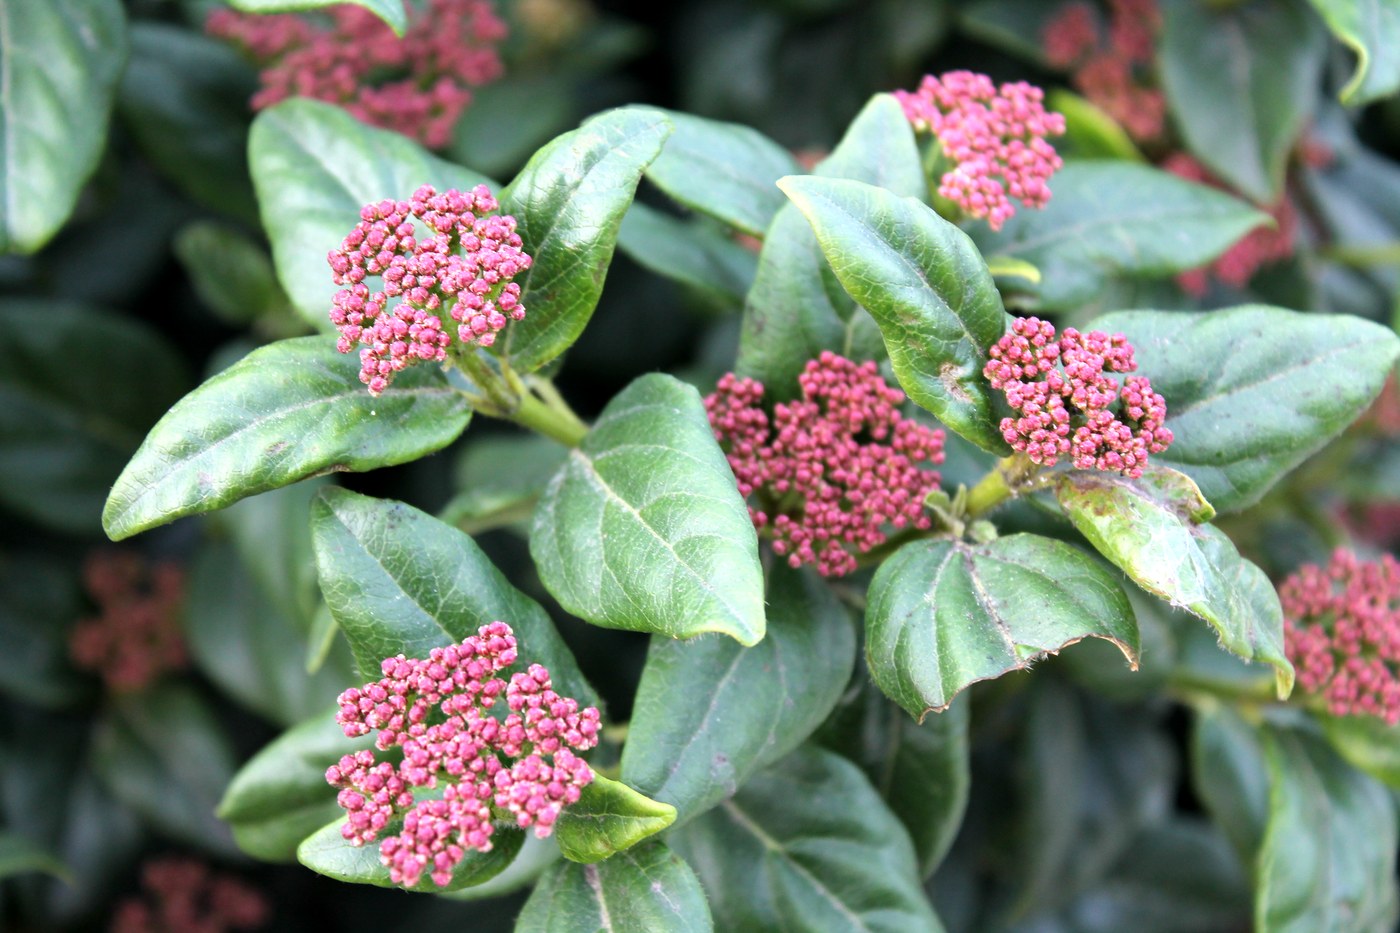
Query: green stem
[
  {"x": 555, "y": 422},
  {"x": 1013, "y": 475},
  {"x": 508, "y": 397}
]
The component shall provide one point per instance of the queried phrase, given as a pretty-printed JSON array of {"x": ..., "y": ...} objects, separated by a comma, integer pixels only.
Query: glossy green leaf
[
  {"x": 642, "y": 890},
  {"x": 393, "y": 12},
  {"x": 807, "y": 845},
  {"x": 280, "y": 796},
  {"x": 569, "y": 200},
  {"x": 1366, "y": 742},
  {"x": 20, "y": 855},
  {"x": 1241, "y": 82},
  {"x": 1254, "y": 391},
  {"x": 314, "y": 167},
  {"x": 927, "y": 287},
  {"x": 724, "y": 170},
  {"x": 1150, "y": 528},
  {"x": 59, "y": 65},
  {"x": 69, "y": 418},
  {"x": 39, "y": 603},
  {"x": 501, "y": 478},
  {"x": 694, "y": 739},
  {"x": 1371, "y": 29},
  {"x": 796, "y": 307},
  {"x": 943, "y": 615},
  {"x": 609, "y": 817},
  {"x": 327, "y": 853},
  {"x": 1328, "y": 856},
  {"x": 232, "y": 275},
  {"x": 284, "y": 412},
  {"x": 1230, "y": 777},
  {"x": 643, "y": 527},
  {"x": 1116, "y": 220},
  {"x": 697, "y": 256},
  {"x": 535, "y": 857},
  {"x": 400, "y": 581}
]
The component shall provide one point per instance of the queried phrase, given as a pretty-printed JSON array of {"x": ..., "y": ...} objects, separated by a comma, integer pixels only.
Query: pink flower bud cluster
[
  {"x": 835, "y": 466},
  {"x": 184, "y": 896},
  {"x": 1113, "y": 72},
  {"x": 437, "y": 712},
  {"x": 462, "y": 263},
  {"x": 1260, "y": 247},
  {"x": 1342, "y": 632},
  {"x": 136, "y": 635},
  {"x": 995, "y": 138},
  {"x": 417, "y": 85},
  {"x": 1066, "y": 400}
]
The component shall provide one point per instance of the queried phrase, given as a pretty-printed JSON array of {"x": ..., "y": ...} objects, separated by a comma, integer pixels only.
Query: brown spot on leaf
[{"x": 949, "y": 374}]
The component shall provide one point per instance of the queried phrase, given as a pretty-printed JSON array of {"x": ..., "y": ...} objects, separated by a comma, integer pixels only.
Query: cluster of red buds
[
  {"x": 1114, "y": 72},
  {"x": 1066, "y": 400},
  {"x": 460, "y": 264},
  {"x": 184, "y": 896},
  {"x": 437, "y": 712},
  {"x": 994, "y": 138},
  {"x": 417, "y": 85},
  {"x": 136, "y": 635},
  {"x": 834, "y": 468}
]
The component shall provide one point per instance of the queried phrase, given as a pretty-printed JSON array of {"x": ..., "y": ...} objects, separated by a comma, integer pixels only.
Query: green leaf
[
  {"x": 642, "y": 890},
  {"x": 569, "y": 200},
  {"x": 1328, "y": 857},
  {"x": 20, "y": 855},
  {"x": 796, "y": 308},
  {"x": 724, "y": 170},
  {"x": 501, "y": 478},
  {"x": 400, "y": 581},
  {"x": 1241, "y": 82},
  {"x": 534, "y": 858},
  {"x": 1230, "y": 776},
  {"x": 59, "y": 65},
  {"x": 314, "y": 167},
  {"x": 393, "y": 12},
  {"x": 694, "y": 739},
  {"x": 643, "y": 527},
  {"x": 1113, "y": 220},
  {"x": 230, "y": 273},
  {"x": 692, "y": 254},
  {"x": 1090, "y": 133},
  {"x": 280, "y": 796},
  {"x": 1254, "y": 391},
  {"x": 807, "y": 845},
  {"x": 513, "y": 116},
  {"x": 927, "y": 287},
  {"x": 1371, "y": 29},
  {"x": 1366, "y": 742},
  {"x": 284, "y": 412},
  {"x": 609, "y": 817},
  {"x": 943, "y": 615},
  {"x": 39, "y": 602},
  {"x": 1150, "y": 529},
  {"x": 272, "y": 534},
  {"x": 70, "y": 416},
  {"x": 327, "y": 853}
]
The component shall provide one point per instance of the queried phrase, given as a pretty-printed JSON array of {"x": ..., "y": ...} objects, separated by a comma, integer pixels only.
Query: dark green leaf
[
  {"x": 327, "y": 853},
  {"x": 70, "y": 412},
  {"x": 1112, "y": 220},
  {"x": 284, "y": 412},
  {"x": 807, "y": 845},
  {"x": 724, "y": 170},
  {"x": 280, "y": 796},
  {"x": 1150, "y": 528},
  {"x": 1230, "y": 776},
  {"x": 59, "y": 65},
  {"x": 1241, "y": 82},
  {"x": 569, "y": 200},
  {"x": 230, "y": 273},
  {"x": 314, "y": 167},
  {"x": 1371, "y": 29},
  {"x": 943, "y": 614},
  {"x": 1366, "y": 742},
  {"x": 927, "y": 287},
  {"x": 796, "y": 308},
  {"x": 393, "y": 12},
  {"x": 20, "y": 855},
  {"x": 693, "y": 254},
  {"x": 272, "y": 534},
  {"x": 643, "y": 527},
  {"x": 39, "y": 602},
  {"x": 400, "y": 581},
  {"x": 534, "y": 858},
  {"x": 609, "y": 817},
  {"x": 512, "y": 117},
  {"x": 1254, "y": 391},
  {"x": 642, "y": 890},
  {"x": 694, "y": 738},
  {"x": 501, "y": 478}
]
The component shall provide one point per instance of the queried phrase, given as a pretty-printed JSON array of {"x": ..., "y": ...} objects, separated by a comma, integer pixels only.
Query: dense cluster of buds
[
  {"x": 834, "y": 467},
  {"x": 1261, "y": 247},
  {"x": 1342, "y": 633},
  {"x": 1066, "y": 400},
  {"x": 417, "y": 85},
  {"x": 461, "y": 264},
  {"x": 437, "y": 712},
  {"x": 136, "y": 635},
  {"x": 994, "y": 138},
  {"x": 1114, "y": 71},
  {"x": 184, "y": 896}
]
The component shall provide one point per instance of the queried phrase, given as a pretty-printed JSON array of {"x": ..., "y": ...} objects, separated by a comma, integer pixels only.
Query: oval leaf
[
  {"x": 643, "y": 527},
  {"x": 284, "y": 412},
  {"x": 1366, "y": 742},
  {"x": 393, "y": 12},
  {"x": 1254, "y": 391},
  {"x": 696, "y": 254},
  {"x": 608, "y": 818},
  {"x": 1229, "y": 775},
  {"x": 927, "y": 287},
  {"x": 1371, "y": 29},
  {"x": 693, "y": 739},
  {"x": 569, "y": 200},
  {"x": 327, "y": 853},
  {"x": 641, "y": 890},
  {"x": 943, "y": 615}
]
